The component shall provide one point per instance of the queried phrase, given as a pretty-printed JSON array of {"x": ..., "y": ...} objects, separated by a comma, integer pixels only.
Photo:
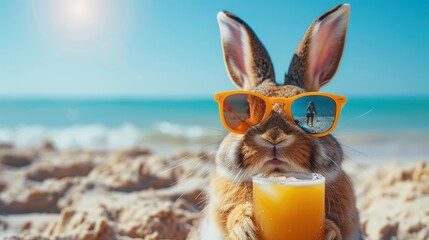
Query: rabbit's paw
[
  {"x": 240, "y": 224},
  {"x": 332, "y": 232}
]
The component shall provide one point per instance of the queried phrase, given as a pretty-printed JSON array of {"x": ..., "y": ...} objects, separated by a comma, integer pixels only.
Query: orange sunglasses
[{"x": 314, "y": 112}]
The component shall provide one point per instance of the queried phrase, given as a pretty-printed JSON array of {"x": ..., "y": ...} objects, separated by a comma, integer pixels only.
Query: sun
[
  {"x": 80, "y": 24},
  {"x": 80, "y": 10},
  {"x": 81, "y": 18}
]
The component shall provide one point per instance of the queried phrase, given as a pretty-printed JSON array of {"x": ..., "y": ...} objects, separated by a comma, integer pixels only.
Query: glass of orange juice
[{"x": 289, "y": 205}]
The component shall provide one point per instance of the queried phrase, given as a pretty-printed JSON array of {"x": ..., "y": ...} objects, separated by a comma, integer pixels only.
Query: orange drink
[{"x": 289, "y": 205}]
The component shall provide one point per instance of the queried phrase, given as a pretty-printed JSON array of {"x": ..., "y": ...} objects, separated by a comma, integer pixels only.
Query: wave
[
  {"x": 100, "y": 137},
  {"x": 164, "y": 136}
]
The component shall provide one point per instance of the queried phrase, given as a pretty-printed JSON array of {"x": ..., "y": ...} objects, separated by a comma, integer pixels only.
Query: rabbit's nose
[{"x": 276, "y": 136}]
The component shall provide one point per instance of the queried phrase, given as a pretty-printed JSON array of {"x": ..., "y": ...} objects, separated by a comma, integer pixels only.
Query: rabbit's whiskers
[
  {"x": 363, "y": 114},
  {"x": 188, "y": 155},
  {"x": 233, "y": 182},
  {"x": 359, "y": 152},
  {"x": 191, "y": 182},
  {"x": 189, "y": 173}
]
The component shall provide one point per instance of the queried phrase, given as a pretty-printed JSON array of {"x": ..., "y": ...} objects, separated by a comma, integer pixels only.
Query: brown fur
[
  {"x": 339, "y": 204},
  {"x": 229, "y": 210},
  {"x": 235, "y": 196}
]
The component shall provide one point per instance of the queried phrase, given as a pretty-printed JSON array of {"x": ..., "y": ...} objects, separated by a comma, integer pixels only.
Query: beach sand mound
[
  {"x": 394, "y": 201},
  {"x": 124, "y": 217},
  {"x": 136, "y": 194}
]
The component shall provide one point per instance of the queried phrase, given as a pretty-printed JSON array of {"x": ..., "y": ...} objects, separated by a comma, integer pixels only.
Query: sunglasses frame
[{"x": 339, "y": 101}]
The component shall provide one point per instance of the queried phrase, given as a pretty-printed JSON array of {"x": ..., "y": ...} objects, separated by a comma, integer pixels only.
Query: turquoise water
[
  {"x": 110, "y": 123},
  {"x": 110, "y": 113},
  {"x": 393, "y": 114}
]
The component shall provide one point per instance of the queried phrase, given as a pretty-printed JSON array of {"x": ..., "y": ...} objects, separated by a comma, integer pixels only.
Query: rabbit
[{"x": 229, "y": 213}]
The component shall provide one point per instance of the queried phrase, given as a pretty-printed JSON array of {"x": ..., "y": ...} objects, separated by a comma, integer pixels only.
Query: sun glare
[
  {"x": 81, "y": 18},
  {"x": 79, "y": 10},
  {"x": 78, "y": 23}
]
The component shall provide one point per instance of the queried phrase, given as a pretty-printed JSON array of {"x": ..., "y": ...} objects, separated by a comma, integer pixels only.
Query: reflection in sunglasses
[
  {"x": 242, "y": 111},
  {"x": 243, "y": 123},
  {"x": 257, "y": 109},
  {"x": 314, "y": 112}
]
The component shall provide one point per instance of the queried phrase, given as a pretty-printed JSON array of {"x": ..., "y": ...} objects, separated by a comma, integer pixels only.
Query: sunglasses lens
[
  {"x": 314, "y": 114},
  {"x": 242, "y": 111}
]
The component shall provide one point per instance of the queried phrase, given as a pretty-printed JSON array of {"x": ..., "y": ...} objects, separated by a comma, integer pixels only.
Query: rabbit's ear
[
  {"x": 246, "y": 59},
  {"x": 318, "y": 55}
]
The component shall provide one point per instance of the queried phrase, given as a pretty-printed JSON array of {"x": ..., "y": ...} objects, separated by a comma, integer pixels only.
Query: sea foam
[{"x": 100, "y": 137}]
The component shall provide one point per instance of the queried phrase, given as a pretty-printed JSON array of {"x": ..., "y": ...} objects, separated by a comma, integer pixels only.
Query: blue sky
[{"x": 119, "y": 48}]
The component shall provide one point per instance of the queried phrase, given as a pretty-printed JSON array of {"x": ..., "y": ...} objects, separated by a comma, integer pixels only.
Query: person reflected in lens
[{"x": 311, "y": 111}]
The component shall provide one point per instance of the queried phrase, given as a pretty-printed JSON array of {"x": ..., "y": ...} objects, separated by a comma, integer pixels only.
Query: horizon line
[{"x": 165, "y": 97}]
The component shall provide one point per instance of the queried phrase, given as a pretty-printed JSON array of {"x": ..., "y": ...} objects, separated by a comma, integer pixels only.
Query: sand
[{"x": 137, "y": 194}]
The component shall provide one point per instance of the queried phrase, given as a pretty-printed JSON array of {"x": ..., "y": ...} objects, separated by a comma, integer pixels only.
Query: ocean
[{"x": 118, "y": 123}]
